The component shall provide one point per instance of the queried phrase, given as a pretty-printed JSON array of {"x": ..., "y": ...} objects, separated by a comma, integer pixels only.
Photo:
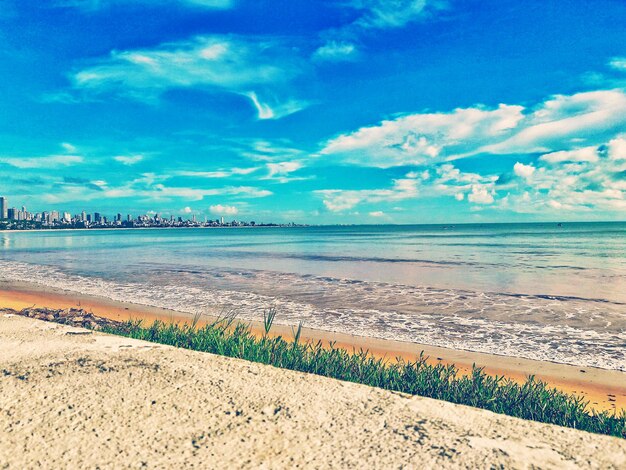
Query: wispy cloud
[
  {"x": 161, "y": 191},
  {"x": 269, "y": 150},
  {"x": 281, "y": 171},
  {"x": 563, "y": 122},
  {"x": 341, "y": 43},
  {"x": 217, "y": 173},
  {"x": 97, "y": 185},
  {"x": 68, "y": 147},
  {"x": 47, "y": 162},
  {"x": 255, "y": 67},
  {"x": 128, "y": 159},
  {"x": 276, "y": 110},
  {"x": 618, "y": 63},
  {"x": 95, "y": 5},
  {"x": 384, "y": 14},
  {"x": 339, "y": 200},
  {"x": 336, "y": 51}
]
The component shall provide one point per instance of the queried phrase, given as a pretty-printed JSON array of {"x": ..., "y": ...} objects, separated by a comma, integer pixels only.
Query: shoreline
[{"x": 601, "y": 387}]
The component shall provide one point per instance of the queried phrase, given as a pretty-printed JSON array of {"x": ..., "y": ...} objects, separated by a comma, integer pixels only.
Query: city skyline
[
  {"x": 360, "y": 111},
  {"x": 12, "y": 218}
]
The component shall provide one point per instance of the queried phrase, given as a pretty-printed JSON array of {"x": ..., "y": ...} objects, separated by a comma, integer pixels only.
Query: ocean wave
[{"x": 568, "y": 330}]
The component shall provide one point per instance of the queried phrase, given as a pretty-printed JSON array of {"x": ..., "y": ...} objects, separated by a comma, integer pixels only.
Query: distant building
[
  {"x": 12, "y": 213},
  {"x": 4, "y": 208},
  {"x": 97, "y": 218}
]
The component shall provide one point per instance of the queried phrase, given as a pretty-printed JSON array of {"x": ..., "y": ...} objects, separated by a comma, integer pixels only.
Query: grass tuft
[{"x": 533, "y": 399}]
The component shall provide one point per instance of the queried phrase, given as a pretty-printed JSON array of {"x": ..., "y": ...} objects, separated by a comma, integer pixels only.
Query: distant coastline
[
  {"x": 115, "y": 229},
  {"x": 297, "y": 225}
]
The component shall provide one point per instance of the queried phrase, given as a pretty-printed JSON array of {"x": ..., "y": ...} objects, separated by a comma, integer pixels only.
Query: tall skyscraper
[{"x": 4, "y": 207}]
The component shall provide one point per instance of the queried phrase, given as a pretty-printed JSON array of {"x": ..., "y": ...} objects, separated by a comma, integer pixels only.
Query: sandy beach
[
  {"x": 604, "y": 389},
  {"x": 111, "y": 401}
]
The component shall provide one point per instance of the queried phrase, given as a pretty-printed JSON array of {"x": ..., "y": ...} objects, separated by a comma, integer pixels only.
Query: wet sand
[{"x": 604, "y": 389}]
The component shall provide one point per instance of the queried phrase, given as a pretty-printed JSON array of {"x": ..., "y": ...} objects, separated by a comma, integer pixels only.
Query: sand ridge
[{"x": 95, "y": 400}]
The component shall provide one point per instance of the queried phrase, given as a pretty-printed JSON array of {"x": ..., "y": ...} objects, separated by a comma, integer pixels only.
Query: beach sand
[
  {"x": 604, "y": 389},
  {"x": 73, "y": 398}
]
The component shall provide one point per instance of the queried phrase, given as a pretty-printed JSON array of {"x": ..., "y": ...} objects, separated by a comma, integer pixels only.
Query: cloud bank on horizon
[{"x": 365, "y": 111}]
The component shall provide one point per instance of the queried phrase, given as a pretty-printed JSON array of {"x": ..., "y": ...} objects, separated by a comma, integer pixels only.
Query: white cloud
[
  {"x": 581, "y": 180},
  {"x": 561, "y": 123},
  {"x": 220, "y": 209},
  {"x": 524, "y": 171},
  {"x": 453, "y": 182},
  {"x": 585, "y": 154},
  {"x": 128, "y": 159},
  {"x": 616, "y": 148},
  {"x": 480, "y": 194},
  {"x": 418, "y": 138},
  {"x": 449, "y": 181},
  {"x": 52, "y": 161},
  {"x": 186, "y": 210},
  {"x": 377, "y": 214},
  {"x": 257, "y": 68},
  {"x": 336, "y": 51},
  {"x": 618, "y": 63}
]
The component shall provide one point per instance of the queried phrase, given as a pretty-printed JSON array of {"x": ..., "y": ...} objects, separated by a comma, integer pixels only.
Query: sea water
[{"x": 541, "y": 291}]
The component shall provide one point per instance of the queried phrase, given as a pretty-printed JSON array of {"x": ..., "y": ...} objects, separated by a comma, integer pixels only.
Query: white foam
[{"x": 579, "y": 332}]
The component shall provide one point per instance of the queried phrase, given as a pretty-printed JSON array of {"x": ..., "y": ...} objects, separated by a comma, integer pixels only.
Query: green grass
[{"x": 532, "y": 400}]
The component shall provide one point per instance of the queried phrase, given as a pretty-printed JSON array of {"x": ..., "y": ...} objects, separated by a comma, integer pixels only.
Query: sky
[{"x": 345, "y": 111}]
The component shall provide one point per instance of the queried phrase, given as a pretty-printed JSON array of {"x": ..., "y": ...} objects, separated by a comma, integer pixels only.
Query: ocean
[{"x": 540, "y": 291}]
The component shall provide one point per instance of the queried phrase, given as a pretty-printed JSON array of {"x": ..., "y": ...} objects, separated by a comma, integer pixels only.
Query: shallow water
[{"x": 529, "y": 290}]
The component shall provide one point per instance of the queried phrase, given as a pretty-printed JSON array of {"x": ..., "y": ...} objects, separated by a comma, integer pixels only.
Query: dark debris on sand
[{"x": 68, "y": 316}]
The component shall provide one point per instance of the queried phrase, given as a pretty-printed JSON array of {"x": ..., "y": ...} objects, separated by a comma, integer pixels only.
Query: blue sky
[{"x": 349, "y": 111}]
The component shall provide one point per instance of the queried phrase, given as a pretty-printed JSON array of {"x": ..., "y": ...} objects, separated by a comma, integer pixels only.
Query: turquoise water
[{"x": 534, "y": 290}]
